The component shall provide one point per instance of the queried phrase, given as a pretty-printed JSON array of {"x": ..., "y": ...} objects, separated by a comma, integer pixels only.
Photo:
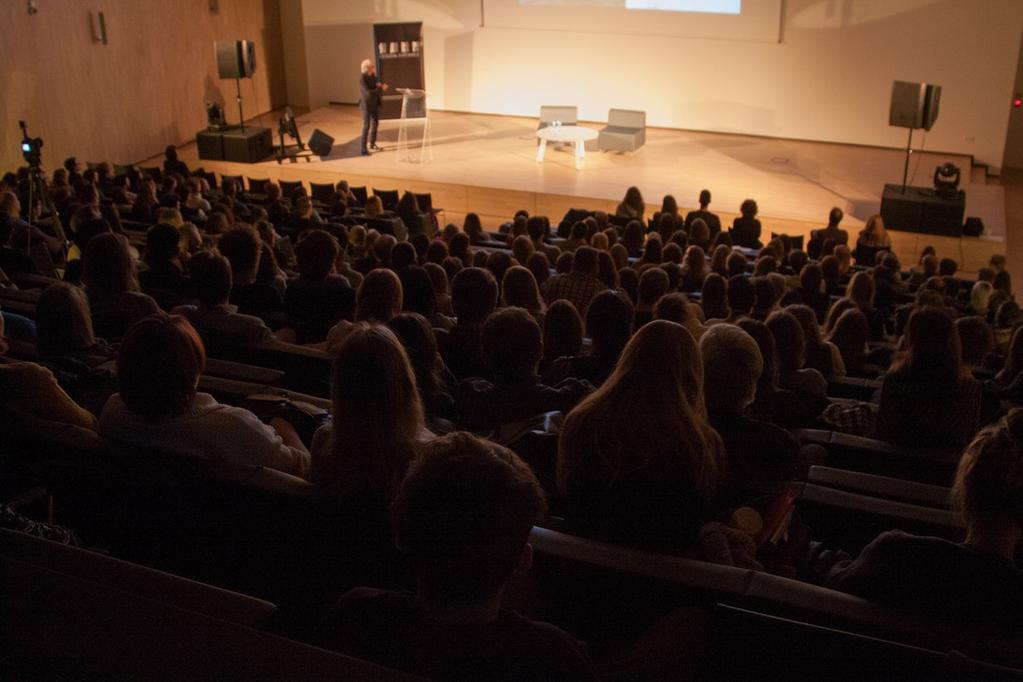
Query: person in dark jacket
[
  {"x": 976, "y": 580},
  {"x": 370, "y": 94},
  {"x": 512, "y": 346}
]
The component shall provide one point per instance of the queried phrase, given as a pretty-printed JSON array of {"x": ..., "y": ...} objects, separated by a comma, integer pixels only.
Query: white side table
[{"x": 577, "y": 134}]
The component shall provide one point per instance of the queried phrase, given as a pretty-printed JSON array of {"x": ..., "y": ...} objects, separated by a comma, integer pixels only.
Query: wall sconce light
[{"x": 99, "y": 27}]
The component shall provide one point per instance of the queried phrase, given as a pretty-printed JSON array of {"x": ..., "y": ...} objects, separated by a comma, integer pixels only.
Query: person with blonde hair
[
  {"x": 360, "y": 458},
  {"x": 874, "y": 233},
  {"x": 760, "y": 454},
  {"x": 638, "y": 461},
  {"x": 980, "y": 296}
]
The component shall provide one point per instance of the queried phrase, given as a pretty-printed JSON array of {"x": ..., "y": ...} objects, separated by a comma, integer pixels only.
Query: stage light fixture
[{"x": 946, "y": 180}]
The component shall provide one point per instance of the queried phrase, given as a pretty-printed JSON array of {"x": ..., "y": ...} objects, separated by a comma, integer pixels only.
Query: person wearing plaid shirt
[{"x": 578, "y": 286}]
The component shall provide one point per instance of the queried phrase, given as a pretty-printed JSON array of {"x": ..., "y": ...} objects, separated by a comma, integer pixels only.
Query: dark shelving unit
[{"x": 399, "y": 56}]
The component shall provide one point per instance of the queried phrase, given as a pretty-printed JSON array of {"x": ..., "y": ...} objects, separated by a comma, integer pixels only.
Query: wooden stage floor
[{"x": 487, "y": 164}]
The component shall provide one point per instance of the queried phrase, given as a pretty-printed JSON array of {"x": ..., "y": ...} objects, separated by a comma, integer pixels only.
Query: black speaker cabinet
[
  {"x": 247, "y": 146},
  {"x": 210, "y": 145},
  {"x": 921, "y": 210},
  {"x": 235, "y": 58},
  {"x": 320, "y": 143},
  {"x": 914, "y": 105},
  {"x": 974, "y": 227}
]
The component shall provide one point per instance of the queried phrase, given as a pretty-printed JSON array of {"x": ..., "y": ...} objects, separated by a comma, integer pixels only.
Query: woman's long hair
[
  {"x": 861, "y": 291},
  {"x": 1014, "y": 358},
  {"x": 377, "y": 417},
  {"x": 651, "y": 405},
  {"x": 108, "y": 267},
  {"x": 933, "y": 350},
  {"x": 519, "y": 289}
]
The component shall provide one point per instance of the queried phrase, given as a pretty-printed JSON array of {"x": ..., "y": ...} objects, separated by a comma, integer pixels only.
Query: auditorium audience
[{"x": 644, "y": 460}]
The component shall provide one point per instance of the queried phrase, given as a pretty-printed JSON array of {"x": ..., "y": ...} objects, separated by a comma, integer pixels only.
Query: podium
[{"x": 414, "y": 143}]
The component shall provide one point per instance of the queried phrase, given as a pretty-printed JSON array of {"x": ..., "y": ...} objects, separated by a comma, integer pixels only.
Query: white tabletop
[{"x": 566, "y": 134}]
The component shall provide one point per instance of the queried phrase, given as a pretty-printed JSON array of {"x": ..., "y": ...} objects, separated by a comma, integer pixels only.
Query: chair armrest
[{"x": 880, "y": 486}]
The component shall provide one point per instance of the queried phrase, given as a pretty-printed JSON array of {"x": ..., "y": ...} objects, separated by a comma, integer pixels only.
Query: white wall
[
  {"x": 1014, "y": 139},
  {"x": 829, "y": 79},
  {"x": 295, "y": 64}
]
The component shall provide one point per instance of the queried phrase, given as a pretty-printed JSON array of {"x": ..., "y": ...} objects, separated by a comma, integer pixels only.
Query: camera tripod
[{"x": 37, "y": 188}]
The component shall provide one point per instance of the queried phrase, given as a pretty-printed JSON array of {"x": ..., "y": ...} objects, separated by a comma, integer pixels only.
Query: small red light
[{"x": 1017, "y": 102}]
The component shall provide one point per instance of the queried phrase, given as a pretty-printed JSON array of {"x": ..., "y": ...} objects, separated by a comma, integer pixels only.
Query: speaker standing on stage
[{"x": 369, "y": 102}]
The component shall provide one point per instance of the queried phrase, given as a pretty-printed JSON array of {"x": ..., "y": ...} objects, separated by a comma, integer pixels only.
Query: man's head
[
  {"x": 463, "y": 516},
  {"x": 536, "y": 227},
  {"x": 704, "y": 198},
  {"x": 367, "y": 67},
  {"x": 585, "y": 261},
  {"x": 316, "y": 254},
  {"x": 511, "y": 343},
  {"x": 242, "y": 247},
  {"x": 609, "y": 322},
  {"x": 835, "y": 216},
  {"x": 211, "y": 278},
  {"x": 741, "y": 294}
]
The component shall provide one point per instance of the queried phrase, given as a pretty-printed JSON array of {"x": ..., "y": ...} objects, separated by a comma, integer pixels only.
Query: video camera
[{"x": 31, "y": 147}]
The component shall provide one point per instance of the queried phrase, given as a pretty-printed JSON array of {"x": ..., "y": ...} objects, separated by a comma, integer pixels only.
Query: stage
[{"x": 487, "y": 164}]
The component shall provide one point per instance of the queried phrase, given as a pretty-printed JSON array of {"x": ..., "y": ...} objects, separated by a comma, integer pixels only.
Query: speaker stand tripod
[
  {"x": 241, "y": 118},
  {"x": 909, "y": 153}
]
